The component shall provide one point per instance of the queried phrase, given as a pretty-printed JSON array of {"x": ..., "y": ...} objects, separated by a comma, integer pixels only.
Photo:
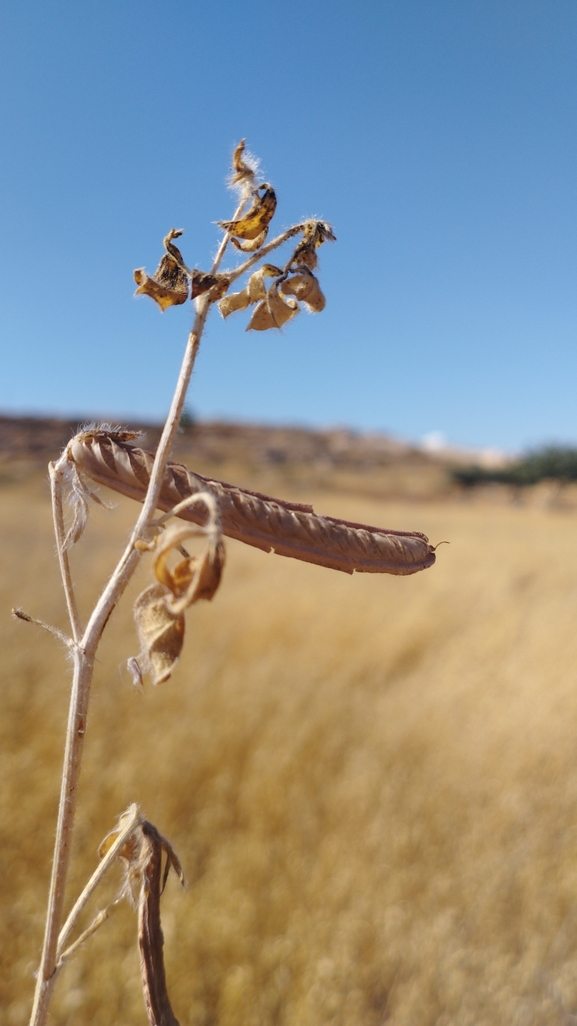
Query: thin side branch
[
  {"x": 55, "y": 472},
  {"x": 134, "y": 818}
]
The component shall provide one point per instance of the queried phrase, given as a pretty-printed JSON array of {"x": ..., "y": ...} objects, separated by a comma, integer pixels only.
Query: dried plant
[{"x": 209, "y": 509}]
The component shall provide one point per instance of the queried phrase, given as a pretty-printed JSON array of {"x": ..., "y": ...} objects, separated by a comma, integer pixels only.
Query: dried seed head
[
  {"x": 254, "y": 291},
  {"x": 256, "y": 286}
]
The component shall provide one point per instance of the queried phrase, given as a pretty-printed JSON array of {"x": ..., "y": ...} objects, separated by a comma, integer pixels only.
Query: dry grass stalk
[{"x": 258, "y": 520}]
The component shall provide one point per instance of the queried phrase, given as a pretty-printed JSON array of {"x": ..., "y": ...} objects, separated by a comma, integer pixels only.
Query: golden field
[{"x": 371, "y": 781}]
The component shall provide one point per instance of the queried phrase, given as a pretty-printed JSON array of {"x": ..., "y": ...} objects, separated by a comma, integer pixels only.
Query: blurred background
[{"x": 370, "y": 781}]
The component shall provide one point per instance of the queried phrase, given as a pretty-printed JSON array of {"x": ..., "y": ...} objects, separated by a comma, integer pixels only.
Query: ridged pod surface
[{"x": 273, "y": 525}]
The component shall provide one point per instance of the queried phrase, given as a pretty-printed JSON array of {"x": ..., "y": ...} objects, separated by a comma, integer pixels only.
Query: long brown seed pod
[{"x": 287, "y": 528}]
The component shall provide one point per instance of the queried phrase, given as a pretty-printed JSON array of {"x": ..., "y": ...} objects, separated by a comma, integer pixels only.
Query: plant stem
[
  {"x": 85, "y": 653},
  {"x": 84, "y": 658}
]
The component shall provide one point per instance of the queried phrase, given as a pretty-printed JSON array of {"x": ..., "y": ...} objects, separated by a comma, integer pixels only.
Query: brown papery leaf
[
  {"x": 305, "y": 287},
  {"x": 257, "y": 218},
  {"x": 281, "y": 310},
  {"x": 195, "y": 577},
  {"x": 261, "y": 319},
  {"x": 256, "y": 286},
  {"x": 160, "y": 630}
]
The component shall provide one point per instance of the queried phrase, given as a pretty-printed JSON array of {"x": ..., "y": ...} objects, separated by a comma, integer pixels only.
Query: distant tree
[{"x": 552, "y": 462}]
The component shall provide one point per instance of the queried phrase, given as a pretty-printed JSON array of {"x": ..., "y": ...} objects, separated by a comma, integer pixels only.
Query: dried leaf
[
  {"x": 256, "y": 286},
  {"x": 251, "y": 247},
  {"x": 233, "y": 302},
  {"x": 195, "y": 577},
  {"x": 261, "y": 319},
  {"x": 281, "y": 310},
  {"x": 305, "y": 287},
  {"x": 160, "y": 630},
  {"x": 169, "y": 283},
  {"x": 257, "y": 218}
]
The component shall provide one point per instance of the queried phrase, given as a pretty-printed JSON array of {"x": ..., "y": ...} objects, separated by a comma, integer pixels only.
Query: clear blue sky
[{"x": 438, "y": 138}]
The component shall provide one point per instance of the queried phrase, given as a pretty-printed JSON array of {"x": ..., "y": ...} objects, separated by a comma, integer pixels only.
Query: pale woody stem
[{"x": 85, "y": 652}]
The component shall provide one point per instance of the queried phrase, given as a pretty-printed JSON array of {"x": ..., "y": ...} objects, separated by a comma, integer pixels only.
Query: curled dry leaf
[
  {"x": 257, "y": 218},
  {"x": 255, "y": 290},
  {"x": 160, "y": 632},
  {"x": 169, "y": 283},
  {"x": 250, "y": 247},
  {"x": 305, "y": 287},
  {"x": 194, "y": 577},
  {"x": 256, "y": 286},
  {"x": 272, "y": 312},
  {"x": 159, "y": 610},
  {"x": 233, "y": 302}
]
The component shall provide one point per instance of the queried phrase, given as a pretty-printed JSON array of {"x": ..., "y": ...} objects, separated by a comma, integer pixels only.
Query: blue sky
[{"x": 438, "y": 138}]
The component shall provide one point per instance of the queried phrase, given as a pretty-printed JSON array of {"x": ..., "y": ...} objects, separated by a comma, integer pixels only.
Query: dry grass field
[{"x": 371, "y": 781}]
